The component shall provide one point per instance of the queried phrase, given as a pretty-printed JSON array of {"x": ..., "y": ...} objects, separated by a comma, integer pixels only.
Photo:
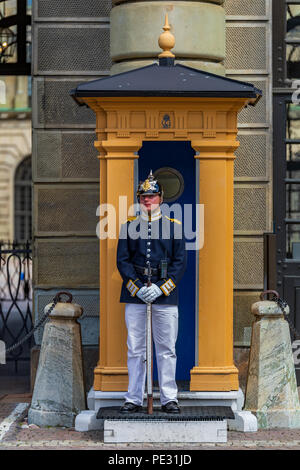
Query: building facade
[{"x": 15, "y": 120}]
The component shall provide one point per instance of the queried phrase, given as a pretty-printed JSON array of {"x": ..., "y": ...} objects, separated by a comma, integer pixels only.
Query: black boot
[
  {"x": 171, "y": 407},
  {"x": 129, "y": 407}
]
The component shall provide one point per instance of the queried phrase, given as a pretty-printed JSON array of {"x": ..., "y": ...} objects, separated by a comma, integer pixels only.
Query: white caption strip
[{"x": 12, "y": 418}]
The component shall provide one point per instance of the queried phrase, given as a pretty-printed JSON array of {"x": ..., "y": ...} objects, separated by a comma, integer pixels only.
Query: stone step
[{"x": 164, "y": 431}]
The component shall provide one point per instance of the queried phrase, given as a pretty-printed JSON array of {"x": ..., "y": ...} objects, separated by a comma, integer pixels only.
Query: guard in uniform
[{"x": 153, "y": 237}]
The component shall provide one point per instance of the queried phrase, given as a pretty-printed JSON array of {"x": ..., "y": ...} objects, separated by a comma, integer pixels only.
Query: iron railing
[{"x": 16, "y": 298}]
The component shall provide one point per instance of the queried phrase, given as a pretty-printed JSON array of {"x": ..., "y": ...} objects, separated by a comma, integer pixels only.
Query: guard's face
[{"x": 150, "y": 202}]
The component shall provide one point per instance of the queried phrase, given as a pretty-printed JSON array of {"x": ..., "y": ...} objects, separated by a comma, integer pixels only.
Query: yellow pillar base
[
  {"x": 111, "y": 379},
  {"x": 214, "y": 379}
]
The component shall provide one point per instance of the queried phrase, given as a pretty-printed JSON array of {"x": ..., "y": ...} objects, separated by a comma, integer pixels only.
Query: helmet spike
[{"x": 149, "y": 186}]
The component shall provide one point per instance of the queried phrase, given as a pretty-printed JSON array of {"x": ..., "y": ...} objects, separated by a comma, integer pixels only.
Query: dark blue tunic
[{"x": 142, "y": 240}]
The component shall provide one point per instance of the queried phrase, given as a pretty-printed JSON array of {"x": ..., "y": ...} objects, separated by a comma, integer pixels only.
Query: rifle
[{"x": 149, "y": 353}]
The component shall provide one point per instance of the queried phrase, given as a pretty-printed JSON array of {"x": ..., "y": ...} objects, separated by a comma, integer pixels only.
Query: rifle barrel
[{"x": 149, "y": 352}]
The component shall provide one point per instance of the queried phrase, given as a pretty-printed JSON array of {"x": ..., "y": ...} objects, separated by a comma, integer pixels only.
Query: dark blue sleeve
[
  {"x": 124, "y": 264},
  {"x": 176, "y": 267}
]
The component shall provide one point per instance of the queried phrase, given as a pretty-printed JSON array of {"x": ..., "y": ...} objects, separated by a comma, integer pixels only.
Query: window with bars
[
  {"x": 286, "y": 111},
  {"x": 292, "y": 180},
  {"x": 292, "y": 40},
  {"x": 23, "y": 200}
]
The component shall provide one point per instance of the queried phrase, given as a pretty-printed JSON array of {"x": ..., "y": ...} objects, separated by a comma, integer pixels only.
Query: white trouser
[{"x": 164, "y": 329}]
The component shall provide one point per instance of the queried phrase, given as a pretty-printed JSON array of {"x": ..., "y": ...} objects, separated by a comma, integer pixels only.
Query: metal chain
[
  {"x": 282, "y": 304},
  {"x": 41, "y": 321},
  {"x": 26, "y": 337}
]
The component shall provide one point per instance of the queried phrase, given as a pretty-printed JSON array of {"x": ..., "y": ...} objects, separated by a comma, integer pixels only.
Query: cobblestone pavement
[{"x": 17, "y": 435}]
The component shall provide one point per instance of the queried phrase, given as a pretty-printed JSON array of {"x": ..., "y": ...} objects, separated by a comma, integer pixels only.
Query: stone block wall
[
  {"x": 248, "y": 58},
  {"x": 70, "y": 46}
]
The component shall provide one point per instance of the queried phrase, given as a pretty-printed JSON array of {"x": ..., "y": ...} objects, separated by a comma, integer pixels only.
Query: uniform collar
[{"x": 156, "y": 215}]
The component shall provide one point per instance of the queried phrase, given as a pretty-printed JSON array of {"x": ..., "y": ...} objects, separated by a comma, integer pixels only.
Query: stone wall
[
  {"x": 248, "y": 58},
  {"x": 70, "y": 46}
]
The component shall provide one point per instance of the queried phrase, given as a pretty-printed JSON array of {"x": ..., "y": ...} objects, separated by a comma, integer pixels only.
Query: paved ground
[{"x": 16, "y": 434}]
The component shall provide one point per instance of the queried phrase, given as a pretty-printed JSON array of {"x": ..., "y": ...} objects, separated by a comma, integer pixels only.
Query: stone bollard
[
  {"x": 59, "y": 393},
  {"x": 271, "y": 392}
]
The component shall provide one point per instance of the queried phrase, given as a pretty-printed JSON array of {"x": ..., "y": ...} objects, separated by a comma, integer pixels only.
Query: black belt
[{"x": 144, "y": 271}]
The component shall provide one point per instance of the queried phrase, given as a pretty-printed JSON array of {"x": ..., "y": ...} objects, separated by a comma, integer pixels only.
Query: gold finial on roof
[{"x": 166, "y": 40}]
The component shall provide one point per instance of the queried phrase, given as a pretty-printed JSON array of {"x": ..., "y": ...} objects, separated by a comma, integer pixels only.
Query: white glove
[
  {"x": 140, "y": 293},
  {"x": 152, "y": 293}
]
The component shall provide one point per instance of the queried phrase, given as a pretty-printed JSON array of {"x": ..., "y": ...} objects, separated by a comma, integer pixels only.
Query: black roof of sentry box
[{"x": 167, "y": 79}]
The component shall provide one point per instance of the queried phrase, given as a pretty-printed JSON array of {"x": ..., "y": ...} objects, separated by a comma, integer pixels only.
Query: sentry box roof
[{"x": 166, "y": 79}]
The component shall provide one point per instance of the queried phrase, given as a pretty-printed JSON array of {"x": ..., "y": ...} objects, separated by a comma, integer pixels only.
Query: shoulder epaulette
[
  {"x": 130, "y": 219},
  {"x": 174, "y": 220}
]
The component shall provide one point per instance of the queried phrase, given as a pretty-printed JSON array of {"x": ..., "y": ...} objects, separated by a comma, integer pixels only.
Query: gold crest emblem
[{"x": 146, "y": 185}]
